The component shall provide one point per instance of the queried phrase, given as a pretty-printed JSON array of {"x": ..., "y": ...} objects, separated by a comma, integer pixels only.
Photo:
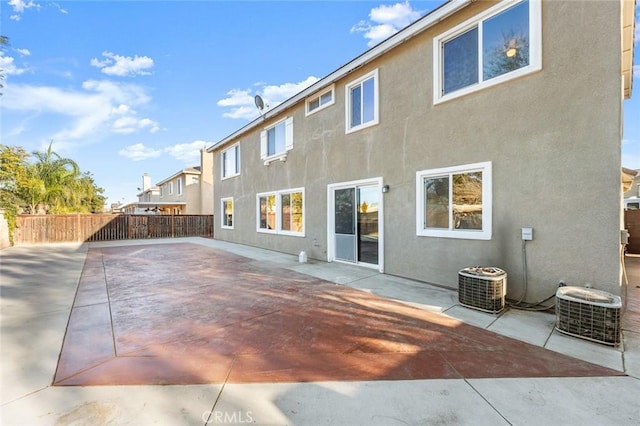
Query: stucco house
[
  {"x": 432, "y": 151},
  {"x": 188, "y": 191},
  {"x": 631, "y": 188}
]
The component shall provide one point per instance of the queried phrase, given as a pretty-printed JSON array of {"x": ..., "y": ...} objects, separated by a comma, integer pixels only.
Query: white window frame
[
  {"x": 235, "y": 147},
  {"x": 487, "y": 197},
  {"x": 223, "y": 213},
  {"x": 179, "y": 186},
  {"x": 278, "y": 209},
  {"x": 348, "y": 128},
  {"x": 535, "y": 50},
  {"x": 161, "y": 191},
  {"x": 170, "y": 188},
  {"x": 318, "y": 96},
  {"x": 288, "y": 141}
]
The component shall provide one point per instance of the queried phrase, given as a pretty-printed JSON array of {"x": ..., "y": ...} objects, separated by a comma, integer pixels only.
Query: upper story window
[
  {"x": 162, "y": 191},
  {"x": 455, "y": 202},
  {"x": 362, "y": 102},
  {"x": 281, "y": 212},
  {"x": 231, "y": 162},
  {"x": 276, "y": 141},
  {"x": 502, "y": 43},
  {"x": 320, "y": 101},
  {"x": 179, "y": 185},
  {"x": 170, "y": 188}
]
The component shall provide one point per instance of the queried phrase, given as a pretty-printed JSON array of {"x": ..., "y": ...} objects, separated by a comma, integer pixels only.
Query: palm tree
[{"x": 58, "y": 176}]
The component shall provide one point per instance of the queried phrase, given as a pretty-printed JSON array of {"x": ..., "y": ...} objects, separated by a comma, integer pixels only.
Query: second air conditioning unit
[
  {"x": 482, "y": 288},
  {"x": 589, "y": 314}
]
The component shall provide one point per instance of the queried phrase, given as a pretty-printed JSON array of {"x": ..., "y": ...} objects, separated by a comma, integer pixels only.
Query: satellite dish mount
[{"x": 260, "y": 104}]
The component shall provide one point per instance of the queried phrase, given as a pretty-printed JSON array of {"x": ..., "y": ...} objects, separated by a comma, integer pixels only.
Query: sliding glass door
[{"x": 357, "y": 214}]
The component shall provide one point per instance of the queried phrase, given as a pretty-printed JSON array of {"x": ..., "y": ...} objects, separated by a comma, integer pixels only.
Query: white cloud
[
  {"x": 131, "y": 124},
  {"x": 100, "y": 106},
  {"x": 188, "y": 153},
  {"x": 8, "y": 66},
  {"x": 139, "y": 152},
  {"x": 123, "y": 66},
  {"x": 19, "y": 6},
  {"x": 23, "y": 52},
  {"x": 636, "y": 71},
  {"x": 60, "y": 8},
  {"x": 384, "y": 21},
  {"x": 242, "y": 104}
]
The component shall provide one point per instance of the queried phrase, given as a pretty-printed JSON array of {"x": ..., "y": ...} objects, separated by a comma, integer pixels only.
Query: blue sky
[{"x": 132, "y": 87}]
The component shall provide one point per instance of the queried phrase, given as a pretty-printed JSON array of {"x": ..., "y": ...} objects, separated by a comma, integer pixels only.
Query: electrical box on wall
[{"x": 527, "y": 234}]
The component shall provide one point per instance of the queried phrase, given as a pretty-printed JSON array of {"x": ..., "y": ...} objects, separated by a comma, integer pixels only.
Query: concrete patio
[{"x": 39, "y": 285}]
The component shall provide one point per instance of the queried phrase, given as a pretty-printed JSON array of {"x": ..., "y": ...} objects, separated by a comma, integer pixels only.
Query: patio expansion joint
[
  {"x": 224, "y": 383},
  {"x": 106, "y": 284},
  {"x": 487, "y": 401}
]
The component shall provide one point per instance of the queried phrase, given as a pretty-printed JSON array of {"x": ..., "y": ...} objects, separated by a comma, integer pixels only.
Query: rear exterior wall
[{"x": 548, "y": 135}]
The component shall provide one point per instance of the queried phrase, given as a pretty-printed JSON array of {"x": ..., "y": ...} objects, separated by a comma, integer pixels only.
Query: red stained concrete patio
[{"x": 186, "y": 314}]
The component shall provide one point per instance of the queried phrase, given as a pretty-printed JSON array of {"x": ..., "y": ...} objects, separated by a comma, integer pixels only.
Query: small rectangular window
[
  {"x": 227, "y": 213},
  {"x": 455, "y": 202},
  {"x": 276, "y": 140},
  {"x": 320, "y": 101},
  {"x": 179, "y": 186},
  {"x": 267, "y": 212},
  {"x": 170, "y": 188},
  {"x": 231, "y": 162},
  {"x": 362, "y": 102},
  {"x": 291, "y": 211}
]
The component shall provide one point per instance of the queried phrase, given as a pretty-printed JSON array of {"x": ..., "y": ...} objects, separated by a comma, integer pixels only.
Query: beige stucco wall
[
  {"x": 549, "y": 135},
  {"x": 206, "y": 182}
]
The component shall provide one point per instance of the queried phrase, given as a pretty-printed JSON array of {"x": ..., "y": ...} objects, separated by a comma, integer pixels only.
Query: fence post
[{"x": 173, "y": 226}]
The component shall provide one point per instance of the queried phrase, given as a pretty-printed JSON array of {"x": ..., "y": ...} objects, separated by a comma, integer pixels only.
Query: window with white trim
[
  {"x": 276, "y": 141},
  {"x": 162, "y": 191},
  {"x": 281, "y": 212},
  {"x": 170, "y": 188},
  {"x": 227, "y": 213},
  {"x": 231, "y": 162},
  {"x": 455, "y": 202},
  {"x": 179, "y": 184},
  {"x": 502, "y": 43},
  {"x": 362, "y": 102},
  {"x": 320, "y": 101}
]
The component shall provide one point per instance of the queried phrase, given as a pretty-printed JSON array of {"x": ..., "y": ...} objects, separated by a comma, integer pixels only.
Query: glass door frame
[{"x": 331, "y": 226}]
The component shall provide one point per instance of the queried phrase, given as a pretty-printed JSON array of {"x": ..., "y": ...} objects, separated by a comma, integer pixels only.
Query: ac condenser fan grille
[
  {"x": 589, "y": 314},
  {"x": 482, "y": 288}
]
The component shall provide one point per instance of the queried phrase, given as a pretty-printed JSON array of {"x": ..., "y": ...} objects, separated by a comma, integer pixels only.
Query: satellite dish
[{"x": 259, "y": 102}]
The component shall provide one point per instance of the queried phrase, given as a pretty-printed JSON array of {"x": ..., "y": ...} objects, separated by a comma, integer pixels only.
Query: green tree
[
  {"x": 13, "y": 175},
  {"x": 59, "y": 178}
]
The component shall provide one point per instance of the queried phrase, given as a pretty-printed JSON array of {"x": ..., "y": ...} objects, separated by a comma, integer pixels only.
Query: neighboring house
[
  {"x": 631, "y": 188},
  {"x": 431, "y": 151},
  {"x": 147, "y": 199},
  {"x": 189, "y": 191}
]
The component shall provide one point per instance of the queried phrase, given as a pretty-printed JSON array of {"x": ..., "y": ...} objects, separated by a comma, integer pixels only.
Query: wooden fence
[
  {"x": 632, "y": 224},
  {"x": 33, "y": 229}
]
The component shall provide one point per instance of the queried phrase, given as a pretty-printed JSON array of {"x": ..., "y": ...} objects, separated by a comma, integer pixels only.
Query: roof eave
[
  {"x": 628, "y": 31},
  {"x": 410, "y": 31}
]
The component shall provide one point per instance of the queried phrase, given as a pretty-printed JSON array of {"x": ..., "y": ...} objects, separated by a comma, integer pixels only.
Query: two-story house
[
  {"x": 433, "y": 150},
  {"x": 188, "y": 191}
]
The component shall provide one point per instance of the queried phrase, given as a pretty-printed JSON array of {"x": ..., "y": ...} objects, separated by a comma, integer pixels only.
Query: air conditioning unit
[
  {"x": 589, "y": 314},
  {"x": 482, "y": 288}
]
